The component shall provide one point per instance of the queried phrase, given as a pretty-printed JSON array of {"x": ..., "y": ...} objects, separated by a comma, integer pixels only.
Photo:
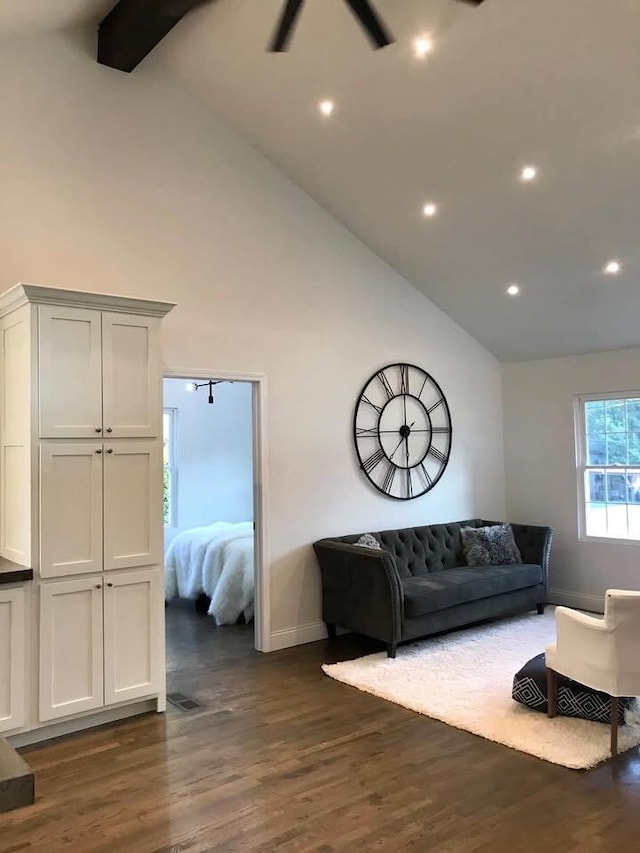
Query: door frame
[{"x": 262, "y": 599}]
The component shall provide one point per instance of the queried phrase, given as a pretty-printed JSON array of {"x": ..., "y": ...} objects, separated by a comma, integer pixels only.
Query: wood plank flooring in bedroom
[{"x": 280, "y": 757}]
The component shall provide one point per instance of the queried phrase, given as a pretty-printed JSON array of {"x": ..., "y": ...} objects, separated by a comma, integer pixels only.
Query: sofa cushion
[
  {"x": 490, "y": 546},
  {"x": 451, "y": 587}
]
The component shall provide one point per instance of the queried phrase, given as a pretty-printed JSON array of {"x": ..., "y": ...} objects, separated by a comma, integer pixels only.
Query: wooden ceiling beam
[{"x": 133, "y": 28}]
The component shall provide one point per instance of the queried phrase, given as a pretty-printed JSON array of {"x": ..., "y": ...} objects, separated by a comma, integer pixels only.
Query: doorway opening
[{"x": 214, "y": 548}]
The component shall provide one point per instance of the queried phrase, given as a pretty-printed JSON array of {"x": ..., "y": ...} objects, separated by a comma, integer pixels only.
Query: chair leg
[
  {"x": 552, "y": 693},
  {"x": 615, "y": 710},
  {"x": 540, "y": 608},
  {"x": 391, "y": 649}
]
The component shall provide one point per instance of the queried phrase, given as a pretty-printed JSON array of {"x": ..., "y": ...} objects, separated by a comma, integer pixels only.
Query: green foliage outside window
[{"x": 166, "y": 496}]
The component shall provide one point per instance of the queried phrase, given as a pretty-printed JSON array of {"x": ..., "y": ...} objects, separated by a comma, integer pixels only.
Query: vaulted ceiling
[{"x": 553, "y": 83}]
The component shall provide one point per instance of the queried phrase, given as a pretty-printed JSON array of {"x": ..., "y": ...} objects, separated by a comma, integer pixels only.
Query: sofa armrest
[
  {"x": 534, "y": 544},
  {"x": 361, "y": 589}
]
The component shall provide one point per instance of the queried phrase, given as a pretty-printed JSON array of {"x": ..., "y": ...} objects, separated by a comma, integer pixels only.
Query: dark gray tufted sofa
[{"x": 418, "y": 584}]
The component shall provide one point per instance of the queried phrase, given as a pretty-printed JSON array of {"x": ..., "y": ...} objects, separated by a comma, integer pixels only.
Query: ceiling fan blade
[
  {"x": 371, "y": 22},
  {"x": 286, "y": 26}
]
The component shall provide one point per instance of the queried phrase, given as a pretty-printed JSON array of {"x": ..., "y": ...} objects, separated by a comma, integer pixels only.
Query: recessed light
[
  {"x": 513, "y": 290},
  {"x": 613, "y": 268},
  {"x": 430, "y": 209},
  {"x": 528, "y": 173},
  {"x": 422, "y": 47},
  {"x": 326, "y": 107}
]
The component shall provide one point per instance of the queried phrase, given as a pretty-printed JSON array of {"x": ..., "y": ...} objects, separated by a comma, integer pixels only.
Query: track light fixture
[{"x": 209, "y": 383}]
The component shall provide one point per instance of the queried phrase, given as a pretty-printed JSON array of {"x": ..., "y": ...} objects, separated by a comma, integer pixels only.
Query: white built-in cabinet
[
  {"x": 99, "y": 374},
  {"x": 81, "y": 500},
  {"x": 12, "y": 658},
  {"x": 99, "y": 642},
  {"x": 100, "y": 505}
]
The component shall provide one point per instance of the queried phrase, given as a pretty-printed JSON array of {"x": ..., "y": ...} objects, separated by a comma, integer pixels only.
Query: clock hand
[{"x": 396, "y": 450}]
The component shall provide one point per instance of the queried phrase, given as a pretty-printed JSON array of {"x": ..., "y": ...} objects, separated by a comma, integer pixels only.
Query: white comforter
[{"x": 216, "y": 560}]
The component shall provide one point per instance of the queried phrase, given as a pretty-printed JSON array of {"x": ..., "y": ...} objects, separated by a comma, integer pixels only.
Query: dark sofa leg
[
  {"x": 331, "y": 631},
  {"x": 391, "y": 649},
  {"x": 540, "y": 608}
]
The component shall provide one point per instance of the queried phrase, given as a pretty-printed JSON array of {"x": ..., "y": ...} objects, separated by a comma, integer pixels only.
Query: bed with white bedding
[{"x": 216, "y": 560}]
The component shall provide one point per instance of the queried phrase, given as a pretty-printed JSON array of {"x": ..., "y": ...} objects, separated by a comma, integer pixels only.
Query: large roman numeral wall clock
[{"x": 402, "y": 431}]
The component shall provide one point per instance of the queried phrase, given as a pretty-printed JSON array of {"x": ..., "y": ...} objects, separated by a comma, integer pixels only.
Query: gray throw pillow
[
  {"x": 490, "y": 546},
  {"x": 368, "y": 540}
]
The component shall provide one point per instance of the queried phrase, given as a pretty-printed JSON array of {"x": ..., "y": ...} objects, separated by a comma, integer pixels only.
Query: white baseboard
[
  {"x": 80, "y": 723},
  {"x": 579, "y": 600},
  {"x": 287, "y": 637}
]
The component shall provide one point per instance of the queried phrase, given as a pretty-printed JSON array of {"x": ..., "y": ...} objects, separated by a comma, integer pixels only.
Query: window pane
[
  {"x": 616, "y": 488},
  {"x": 617, "y": 521},
  {"x": 617, "y": 448},
  {"x": 633, "y": 488},
  {"x": 594, "y": 416},
  {"x": 596, "y": 449},
  {"x": 616, "y": 417},
  {"x": 634, "y": 521},
  {"x": 634, "y": 448},
  {"x": 596, "y": 519},
  {"x": 166, "y": 497},
  {"x": 595, "y": 487},
  {"x": 633, "y": 415}
]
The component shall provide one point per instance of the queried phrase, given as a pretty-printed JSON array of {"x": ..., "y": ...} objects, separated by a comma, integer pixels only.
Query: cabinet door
[
  {"x": 70, "y": 372},
  {"x": 132, "y": 389},
  {"x": 70, "y": 508},
  {"x": 71, "y": 647},
  {"x": 12, "y": 659},
  {"x": 132, "y": 504},
  {"x": 133, "y": 623}
]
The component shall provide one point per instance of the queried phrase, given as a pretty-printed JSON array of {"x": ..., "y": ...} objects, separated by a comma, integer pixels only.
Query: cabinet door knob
[
  {"x": 109, "y": 429},
  {"x": 110, "y": 450},
  {"x": 98, "y": 429},
  {"x": 98, "y": 451},
  {"x": 98, "y": 586},
  {"x": 109, "y": 584}
]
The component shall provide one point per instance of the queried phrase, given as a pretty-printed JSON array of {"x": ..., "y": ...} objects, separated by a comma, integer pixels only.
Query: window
[
  {"x": 608, "y": 452},
  {"x": 170, "y": 470}
]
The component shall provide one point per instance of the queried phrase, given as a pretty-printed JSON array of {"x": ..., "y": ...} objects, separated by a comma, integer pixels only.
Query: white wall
[
  {"x": 123, "y": 183},
  {"x": 213, "y": 447},
  {"x": 540, "y": 463}
]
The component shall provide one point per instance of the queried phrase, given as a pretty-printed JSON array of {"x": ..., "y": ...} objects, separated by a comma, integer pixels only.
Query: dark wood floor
[{"x": 280, "y": 757}]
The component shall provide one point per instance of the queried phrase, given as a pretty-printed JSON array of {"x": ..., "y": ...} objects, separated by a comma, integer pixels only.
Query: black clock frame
[{"x": 403, "y": 431}]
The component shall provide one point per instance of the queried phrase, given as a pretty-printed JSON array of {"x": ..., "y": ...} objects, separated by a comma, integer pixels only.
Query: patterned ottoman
[{"x": 574, "y": 700}]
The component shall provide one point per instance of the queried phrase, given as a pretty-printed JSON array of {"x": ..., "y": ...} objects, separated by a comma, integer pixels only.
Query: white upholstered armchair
[{"x": 603, "y": 654}]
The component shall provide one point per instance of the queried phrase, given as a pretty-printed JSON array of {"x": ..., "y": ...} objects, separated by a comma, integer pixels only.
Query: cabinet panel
[
  {"x": 12, "y": 659},
  {"x": 70, "y": 372},
  {"x": 71, "y": 647},
  {"x": 133, "y": 610},
  {"x": 132, "y": 389},
  {"x": 15, "y": 437},
  {"x": 70, "y": 508},
  {"x": 132, "y": 504}
]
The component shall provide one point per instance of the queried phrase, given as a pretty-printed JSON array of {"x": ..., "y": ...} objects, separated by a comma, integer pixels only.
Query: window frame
[
  {"x": 582, "y": 465},
  {"x": 172, "y": 466}
]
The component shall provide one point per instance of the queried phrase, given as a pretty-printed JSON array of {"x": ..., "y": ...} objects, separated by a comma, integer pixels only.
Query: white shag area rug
[{"x": 464, "y": 679}]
